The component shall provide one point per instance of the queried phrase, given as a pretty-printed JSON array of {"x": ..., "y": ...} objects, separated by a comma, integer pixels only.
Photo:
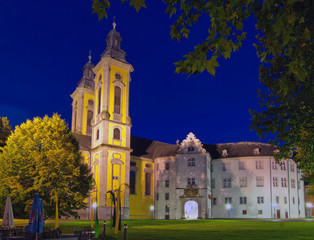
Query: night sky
[{"x": 45, "y": 44}]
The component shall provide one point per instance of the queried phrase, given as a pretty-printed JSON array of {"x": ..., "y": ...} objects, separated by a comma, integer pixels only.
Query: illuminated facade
[{"x": 187, "y": 180}]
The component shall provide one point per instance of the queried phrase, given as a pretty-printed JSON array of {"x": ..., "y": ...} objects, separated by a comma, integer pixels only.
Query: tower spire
[
  {"x": 114, "y": 23},
  {"x": 90, "y": 56}
]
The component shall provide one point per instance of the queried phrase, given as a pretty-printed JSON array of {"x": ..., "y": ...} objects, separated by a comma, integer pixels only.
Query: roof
[{"x": 139, "y": 145}]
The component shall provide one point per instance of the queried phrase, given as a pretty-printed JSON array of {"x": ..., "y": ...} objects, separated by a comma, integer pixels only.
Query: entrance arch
[{"x": 191, "y": 210}]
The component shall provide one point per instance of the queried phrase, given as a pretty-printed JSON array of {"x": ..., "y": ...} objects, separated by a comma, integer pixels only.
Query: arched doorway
[{"x": 191, "y": 210}]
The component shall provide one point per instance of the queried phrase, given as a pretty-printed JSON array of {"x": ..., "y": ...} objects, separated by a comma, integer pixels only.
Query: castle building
[{"x": 171, "y": 181}]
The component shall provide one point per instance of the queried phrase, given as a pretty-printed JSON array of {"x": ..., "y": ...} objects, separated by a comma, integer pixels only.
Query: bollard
[
  {"x": 125, "y": 232},
  {"x": 104, "y": 233}
]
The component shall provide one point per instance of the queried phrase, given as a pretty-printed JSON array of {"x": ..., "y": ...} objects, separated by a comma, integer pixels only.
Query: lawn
[{"x": 200, "y": 229}]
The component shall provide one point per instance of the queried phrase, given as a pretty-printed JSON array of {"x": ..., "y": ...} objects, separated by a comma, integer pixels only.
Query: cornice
[{"x": 119, "y": 148}]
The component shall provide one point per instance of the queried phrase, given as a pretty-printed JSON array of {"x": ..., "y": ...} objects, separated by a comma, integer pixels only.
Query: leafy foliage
[
  {"x": 5, "y": 130},
  {"x": 43, "y": 156},
  {"x": 284, "y": 46}
]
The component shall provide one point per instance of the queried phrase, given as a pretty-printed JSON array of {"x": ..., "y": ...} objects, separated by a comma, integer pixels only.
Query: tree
[
  {"x": 284, "y": 46},
  {"x": 5, "y": 130},
  {"x": 42, "y": 156}
]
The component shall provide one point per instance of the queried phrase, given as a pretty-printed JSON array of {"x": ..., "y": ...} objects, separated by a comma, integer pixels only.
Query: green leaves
[{"x": 43, "y": 156}]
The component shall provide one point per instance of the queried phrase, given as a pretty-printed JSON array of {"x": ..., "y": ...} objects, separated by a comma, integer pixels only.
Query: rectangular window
[
  {"x": 259, "y": 164},
  {"x": 167, "y": 166},
  {"x": 228, "y": 200},
  {"x": 243, "y": 212},
  {"x": 292, "y": 167},
  {"x": 260, "y": 181},
  {"x": 293, "y": 200},
  {"x": 277, "y": 199},
  {"x": 157, "y": 167},
  {"x": 167, "y": 183},
  {"x": 242, "y": 165},
  {"x": 226, "y": 166},
  {"x": 275, "y": 165},
  {"x": 148, "y": 181},
  {"x": 157, "y": 196},
  {"x": 275, "y": 182},
  {"x": 227, "y": 183},
  {"x": 283, "y": 166},
  {"x": 213, "y": 183},
  {"x": 242, "y": 200},
  {"x": 191, "y": 162},
  {"x": 214, "y": 201},
  {"x": 284, "y": 182},
  {"x": 285, "y": 199},
  {"x": 191, "y": 181},
  {"x": 292, "y": 183},
  {"x": 132, "y": 182},
  {"x": 260, "y": 212},
  {"x": 167, "y": 196},
  {"x": 243, "y": 181},
  {"x": 167, "y": 209},
  {"x": 260, "y": 200}
]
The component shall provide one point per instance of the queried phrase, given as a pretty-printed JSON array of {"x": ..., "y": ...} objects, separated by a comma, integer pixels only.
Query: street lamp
[
  {"x": 228, "y": 206},
  {"x": 275, "y": 205},
  {"x": 152, "y": 208}
]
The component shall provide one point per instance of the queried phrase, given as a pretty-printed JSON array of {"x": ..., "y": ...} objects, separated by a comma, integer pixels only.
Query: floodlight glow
[
  {"x": 309, "y": 205},
  {"x": 275, "y": 204},
  {"x": 94, "y": 205},
  {"x": 228, "y": 206},
  {"x": 152, "y": 208}
]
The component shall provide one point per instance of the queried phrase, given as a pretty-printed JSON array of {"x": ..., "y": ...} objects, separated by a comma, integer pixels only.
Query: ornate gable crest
[
  {"x": 190, "y": 191},
  {"x": 191, "y": 145}
]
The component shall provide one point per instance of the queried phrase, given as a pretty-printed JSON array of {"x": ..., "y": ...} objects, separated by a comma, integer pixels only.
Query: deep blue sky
[{"x": 44, "y": 46}]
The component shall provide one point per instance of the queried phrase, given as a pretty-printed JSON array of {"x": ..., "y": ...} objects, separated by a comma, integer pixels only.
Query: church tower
[
  {"x": 111, "y": 125},
  {"x": 83, "y": 102}
]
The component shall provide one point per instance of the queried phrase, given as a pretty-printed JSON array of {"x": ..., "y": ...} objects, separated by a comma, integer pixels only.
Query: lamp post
[
  {"x": 228, "y": 206},
  {"x": 275, "y": 205},
  {"x": 152, "y": 209},
  {"x": 309, "y": 211}
]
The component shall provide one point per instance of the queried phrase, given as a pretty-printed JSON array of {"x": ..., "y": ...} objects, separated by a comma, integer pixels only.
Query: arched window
[
  {"x": 89, "y": 121},
  {"x": 99, "y": 99},
  {"x": 75, "y": 117},
  {"x": 116, "y": 133},
  {"x": 117, "y": 99}
]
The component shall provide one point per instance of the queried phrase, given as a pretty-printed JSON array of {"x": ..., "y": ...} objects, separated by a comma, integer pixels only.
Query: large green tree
[
  {"x": 42, "y": 156},
  {"x": 5, "y": 130},
  {"x": 284, "y": 46}
]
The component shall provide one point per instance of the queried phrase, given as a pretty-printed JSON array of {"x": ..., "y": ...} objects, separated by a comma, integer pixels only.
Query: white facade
[{"x": 242, "y": 181}]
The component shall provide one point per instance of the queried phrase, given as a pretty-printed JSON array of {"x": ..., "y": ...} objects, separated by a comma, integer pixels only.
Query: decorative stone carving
[
  {"x": 105, "y": 115},
  {"x": 191, "y": 145},
  {"x": 190, "y": 191},
  {"x": 117, "y": 117}
]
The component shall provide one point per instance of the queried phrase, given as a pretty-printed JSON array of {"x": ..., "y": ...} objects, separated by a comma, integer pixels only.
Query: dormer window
[
  {"x": 224, "y": 153},
  {"x": 190, "y": 149},
  {"x": 257, "y": 151}
]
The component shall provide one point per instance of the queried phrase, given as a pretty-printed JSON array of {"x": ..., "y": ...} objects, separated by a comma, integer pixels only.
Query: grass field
[{"x": 199, "y": 229}]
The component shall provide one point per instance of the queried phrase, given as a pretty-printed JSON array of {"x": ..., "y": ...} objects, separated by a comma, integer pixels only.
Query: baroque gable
[{"x": 191, "y": 145}]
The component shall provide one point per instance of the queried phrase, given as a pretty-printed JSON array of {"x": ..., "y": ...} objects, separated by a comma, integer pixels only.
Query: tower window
[
  {"x": 118, "y": 76},
  {"x": 116, "y": 133},
  {"x": 117, "y": 99},
  {"x": 75, "y": 116},
  {"x": 97, "y": 134},
  {"x": 99, "y": 99},
  {"x": 89, "y": 121}
]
